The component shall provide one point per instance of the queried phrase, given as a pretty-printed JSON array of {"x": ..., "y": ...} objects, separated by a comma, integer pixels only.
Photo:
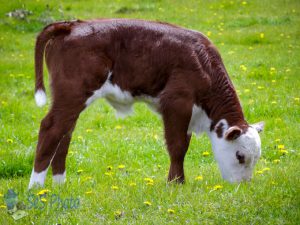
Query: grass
[{"x": 259, "y": 42}]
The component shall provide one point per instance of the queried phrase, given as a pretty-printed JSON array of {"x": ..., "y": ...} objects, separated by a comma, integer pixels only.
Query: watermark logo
[{"x": 37, "y": 201}]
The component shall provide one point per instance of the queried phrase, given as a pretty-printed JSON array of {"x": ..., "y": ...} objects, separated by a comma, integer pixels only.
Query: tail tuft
[{"x": 40, "y": 97}]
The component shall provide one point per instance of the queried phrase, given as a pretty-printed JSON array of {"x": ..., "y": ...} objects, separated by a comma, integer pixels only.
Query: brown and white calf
[{"x": 177, "y": 71}]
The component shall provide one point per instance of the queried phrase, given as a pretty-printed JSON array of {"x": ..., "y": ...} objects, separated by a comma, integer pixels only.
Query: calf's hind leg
[{"x": 54, "y": 137}]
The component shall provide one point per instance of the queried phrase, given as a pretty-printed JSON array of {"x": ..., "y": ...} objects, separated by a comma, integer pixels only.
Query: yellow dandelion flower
[
  {"x": 121, "y": 166},
  {"x": 114, "y": 187},
  {"x": 217, "y": 187},
  {"x": 43, "y": 200},
  {"x": 42, "y": 192},
  {"x": 208, "y": 33},
  {"x": 259, "y": 172},
  {"x": 276, "y": 161},
  {"x": 132, "y": 184},
  {"x": 109, "y": 167},
  {"x": 80, "y": 171},
  {"x": 9, "y": 141},
  {"x": 243, "y": 67},
  {"x": 149, "y": 180},
  {"x": 118, "y": 213},
  {"x": 87, "y": 179},
  {"x": 297, "y": 99},
  {"x": 108, "y": 173},
  {"x": 147, "y": 203},
  {"x": 199, "y": 178},
  {"x": 260, "y": 87},
  {"x": 88, "y": 192},
  {"x": 274, "y": 102},
  {"x": 89, "y": 130},
  {"x": 283, "y": 152},
  {"x": 280, "y": 146},
  {"x": 205, "y": 153},
  {"x": 3, "y": 206},
  {"x": 118, "y": 127},
  {"x": 266, "y": 169},
  {"x": 171, "y": 211},
  {"x": 262, "y": 35}
]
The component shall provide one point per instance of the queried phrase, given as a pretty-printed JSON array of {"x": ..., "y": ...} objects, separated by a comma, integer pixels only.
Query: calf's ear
[
  {"x": 233, "y": 133},
  {"x": 259, "y": 126}
]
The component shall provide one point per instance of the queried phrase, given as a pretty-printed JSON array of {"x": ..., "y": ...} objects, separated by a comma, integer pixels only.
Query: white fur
[
  {"x": 247, "y": 144},
  {"x": 59, "y": 178},
  {"x": 37, "y": 178},
  {"x": 199, "y": 121},
  {"x": 119, "y": 99},
  {"x": 40, "y": 98}
]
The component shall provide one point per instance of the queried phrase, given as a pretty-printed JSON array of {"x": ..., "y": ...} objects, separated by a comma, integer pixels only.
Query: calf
[{"x": 176, "y": 71}]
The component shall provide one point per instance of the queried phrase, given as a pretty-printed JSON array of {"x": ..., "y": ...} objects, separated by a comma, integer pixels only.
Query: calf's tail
[{"x": 47, "y": 34}]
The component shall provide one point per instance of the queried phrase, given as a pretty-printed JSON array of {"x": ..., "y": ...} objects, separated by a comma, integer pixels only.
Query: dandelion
[
  {"x": 121, "y": 166},
  {"x": 87, "y": 179},
  {"x": 43, "y": 200},
  {"x": 262, "y": 35},
  {"x": 88, "y": 192},
  {"x": 199, "y": 178},
  {"x": 208, "y": 33},
  {"x": 109, "y": 167},
  {"x": 118, "y": 214},
  {"x": 79, "y": 171},
  {"x": 243, "y": 67},
  {"x": 266, "y": 169},
  {"x": 132, "y": 184},
  {"x": 259, "y": 172},
  {"x": 9, "y": 141},
  {"x": 42, "y": 192},
  {"x": 297, "y": 99},
  {"x": 89, "y": 130},
  {"x": 108, "y": 173},
  {"x": 276, "y": 161},
  {"x": 147, "y": 203},
  {"x": 205, "y": 153},
  {"x": 260, "y": 87},
  {"x": 3, "y": 206},
  {"x": 283, "y": 152},
  {"x": 280, "y": 146},
  {"x": 217, "y": 187},
  {"x": 274, "y": 102},
  {"x": 171, "y": 211},
  {"x": 118, "y": 127},
  {"x": 114, "y": 187}
]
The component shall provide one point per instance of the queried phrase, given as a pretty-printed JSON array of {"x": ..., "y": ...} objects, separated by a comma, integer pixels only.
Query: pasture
[{"x": 117, "y": 168}]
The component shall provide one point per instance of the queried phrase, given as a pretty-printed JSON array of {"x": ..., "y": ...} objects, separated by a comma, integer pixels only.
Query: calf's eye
[{"x": 240, "y": 156}]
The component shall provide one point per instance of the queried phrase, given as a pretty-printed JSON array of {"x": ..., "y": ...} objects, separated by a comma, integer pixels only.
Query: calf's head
[{"x": 237, "y": 150}]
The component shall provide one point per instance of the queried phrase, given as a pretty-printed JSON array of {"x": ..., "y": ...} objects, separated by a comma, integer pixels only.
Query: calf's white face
[{"x": 237, "y": 152}]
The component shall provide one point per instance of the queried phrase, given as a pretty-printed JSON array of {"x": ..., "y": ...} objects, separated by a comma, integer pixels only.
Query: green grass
[{"x": 261, "y": 35}]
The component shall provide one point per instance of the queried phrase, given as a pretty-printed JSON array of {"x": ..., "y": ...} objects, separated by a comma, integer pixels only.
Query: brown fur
[{"x": 179, "y": 66}]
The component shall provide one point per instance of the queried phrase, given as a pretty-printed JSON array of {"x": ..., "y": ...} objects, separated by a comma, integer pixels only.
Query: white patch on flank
[
  {"x": 59, "y": 178},
  {"x": 37, "y": 178},
  {"x": 119, "y": 99},
  {"x": 40, "y": 97},
  {"x": 199, "y": 121}
]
